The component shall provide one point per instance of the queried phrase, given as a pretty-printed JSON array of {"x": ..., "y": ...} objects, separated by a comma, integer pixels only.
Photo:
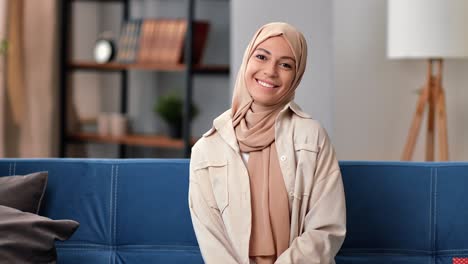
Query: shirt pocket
[
  {"x": 306, "y": 158},
  {"x": 217, "y": 172},
  {"x": 306, "y": 154},
  {"x": 306, "y": 147}
]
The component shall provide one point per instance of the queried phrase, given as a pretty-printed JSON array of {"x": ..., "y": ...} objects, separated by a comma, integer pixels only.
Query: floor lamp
[{"x": 433, "y": 30}]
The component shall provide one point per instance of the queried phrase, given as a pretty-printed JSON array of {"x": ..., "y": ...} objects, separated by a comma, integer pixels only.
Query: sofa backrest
[
  {"x": 130, "y": 211},
  {"x": 136, "y": 211},
  {"x": 405, "y": 212}
]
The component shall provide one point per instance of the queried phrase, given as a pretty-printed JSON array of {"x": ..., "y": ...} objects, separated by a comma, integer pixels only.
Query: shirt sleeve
[
  {"x": 207, "y": 222},
  {"x": 325, "y": 221}
]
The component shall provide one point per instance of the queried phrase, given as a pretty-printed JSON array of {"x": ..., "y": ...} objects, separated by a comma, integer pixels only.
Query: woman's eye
[
  {"x": 286, "y": 65},
  {"x": 260, "y": 57}
]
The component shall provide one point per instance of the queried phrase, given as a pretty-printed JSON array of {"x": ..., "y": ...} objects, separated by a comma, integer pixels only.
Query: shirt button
[{"x": 283, "y": 158}]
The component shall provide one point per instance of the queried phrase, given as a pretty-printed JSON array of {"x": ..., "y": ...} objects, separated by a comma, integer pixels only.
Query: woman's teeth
[{"x": 264, "y": 84}]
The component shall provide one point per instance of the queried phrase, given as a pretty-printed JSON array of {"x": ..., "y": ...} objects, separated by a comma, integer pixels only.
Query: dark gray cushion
[
  {"x": 23, "y": 192},
  {"x": 30, "y": 238}
]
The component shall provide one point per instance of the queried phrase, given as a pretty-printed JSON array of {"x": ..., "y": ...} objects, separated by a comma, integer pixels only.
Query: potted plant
[{"x": 170, "y": 108}]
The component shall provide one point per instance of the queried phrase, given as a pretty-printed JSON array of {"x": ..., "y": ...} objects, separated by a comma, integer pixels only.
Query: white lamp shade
[{"x": 427, "y": 29}]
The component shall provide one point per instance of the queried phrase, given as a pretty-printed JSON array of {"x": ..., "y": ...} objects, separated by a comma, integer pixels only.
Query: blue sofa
[{"x": 135, "y": 211}]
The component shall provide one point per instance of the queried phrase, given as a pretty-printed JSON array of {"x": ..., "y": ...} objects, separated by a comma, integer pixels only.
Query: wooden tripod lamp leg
[
  {"x": 434, "y": 84},
  {"x": 416, "y": 124},
  {"x": 434, "y": 95},
  {"x": 442, "y": 126},
  {"x": 431, "y": 124},
  {"x": 441, "y": 113}
]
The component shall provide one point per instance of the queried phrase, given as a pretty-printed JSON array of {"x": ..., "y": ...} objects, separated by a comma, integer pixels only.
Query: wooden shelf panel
[
  {"x": 97, "y": 1},
  {"x": 137, "y": 140},
  {"x": 115, "y": 66}
]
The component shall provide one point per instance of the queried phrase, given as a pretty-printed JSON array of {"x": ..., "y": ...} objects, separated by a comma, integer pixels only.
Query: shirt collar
[
  {"x": 296, "y": 109},
  {"x": 223, "y": 124}
]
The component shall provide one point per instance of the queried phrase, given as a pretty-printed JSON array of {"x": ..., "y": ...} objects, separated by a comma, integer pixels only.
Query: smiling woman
[
  {"x": 270, "y": 71},
  {"x": 265, "y": 185}
]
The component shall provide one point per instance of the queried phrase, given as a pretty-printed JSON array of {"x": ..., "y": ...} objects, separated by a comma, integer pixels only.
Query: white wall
[
  {"x": 313, "y": 18},
  {"x": 84, "y": 33},
  {"x": 375, "y": 97}
]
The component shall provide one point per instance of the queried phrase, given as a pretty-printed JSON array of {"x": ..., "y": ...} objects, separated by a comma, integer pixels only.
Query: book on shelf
[
  {"x": 143, "y": 52},
  {"x": 200, "y": 34},
  {"x": 154, "y": 43},
  {"x": 128, "y": 44},
  {"x": 162, "y": 41}
]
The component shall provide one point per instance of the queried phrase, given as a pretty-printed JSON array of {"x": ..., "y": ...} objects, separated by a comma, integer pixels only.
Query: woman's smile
[{"x": 266, "y": 84}]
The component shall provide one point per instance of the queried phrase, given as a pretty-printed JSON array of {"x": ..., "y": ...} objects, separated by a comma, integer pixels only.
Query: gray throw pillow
[
  {"x": 23, "y": 192},
  {"x": 30, "y": 238}
]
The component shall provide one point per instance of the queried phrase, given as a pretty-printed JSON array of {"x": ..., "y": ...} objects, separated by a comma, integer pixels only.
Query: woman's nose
[{"x": 270, "y": 70}]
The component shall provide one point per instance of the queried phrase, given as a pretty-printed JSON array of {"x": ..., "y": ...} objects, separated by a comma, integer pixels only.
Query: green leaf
[{"x": 171, "y": 106}]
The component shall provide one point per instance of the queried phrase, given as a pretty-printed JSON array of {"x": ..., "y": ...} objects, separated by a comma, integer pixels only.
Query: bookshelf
[
  {"x": 131, "y": 140},
  {"x": 186, "y": 66},
  {"x": 114, "y": 66}
]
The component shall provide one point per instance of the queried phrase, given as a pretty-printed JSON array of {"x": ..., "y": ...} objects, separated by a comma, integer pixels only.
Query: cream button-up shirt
[{"x": 219, "y": 192}]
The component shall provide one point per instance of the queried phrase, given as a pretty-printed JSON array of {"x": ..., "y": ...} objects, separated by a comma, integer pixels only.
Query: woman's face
[{"x": 270, "y": 71}]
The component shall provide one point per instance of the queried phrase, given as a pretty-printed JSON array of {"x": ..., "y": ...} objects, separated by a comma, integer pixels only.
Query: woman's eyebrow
[
  {"x": 264, "y": 50},
  {"x": 287, "y": 57},
  {"x": 269, "y": 53}
]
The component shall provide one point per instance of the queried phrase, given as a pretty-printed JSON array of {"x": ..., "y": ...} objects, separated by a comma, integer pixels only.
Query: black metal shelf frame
[{"x": 65, "y": 17}]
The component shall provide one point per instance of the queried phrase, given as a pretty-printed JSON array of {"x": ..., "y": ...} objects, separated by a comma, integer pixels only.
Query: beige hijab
[{"x": 255, "y": 132}]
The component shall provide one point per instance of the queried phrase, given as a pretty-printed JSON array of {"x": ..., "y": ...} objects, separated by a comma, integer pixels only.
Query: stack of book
[
  {"x": 127, "y": 46},
  {"x": 160, "y": 41}
]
